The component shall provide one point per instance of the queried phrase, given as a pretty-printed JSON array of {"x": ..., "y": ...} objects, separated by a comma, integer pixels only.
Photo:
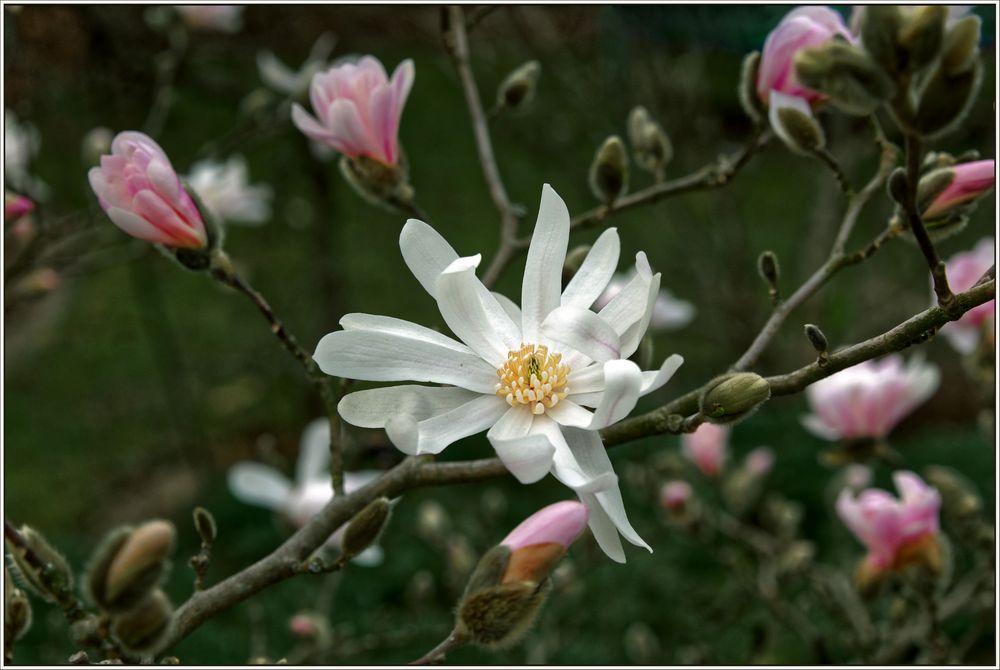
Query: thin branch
[
  {"x": 438, "y": 653},
  {"x": 834, "y": 263},
  {"x": 916, "y": 224},
  {"x": 458, "y": 46}
]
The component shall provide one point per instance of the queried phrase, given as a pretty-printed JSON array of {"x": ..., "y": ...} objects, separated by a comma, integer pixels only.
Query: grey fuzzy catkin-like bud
[
  {"x": 922, "y": 35},
  {"x": 850, "y": 77},
  {"x": 499, "y": 616},
  {"x": 609, "y": 171},
  {"x": 944, "y": 101},
  {"x": 880, "y": 26},
  {"x": 48, "y": 579},
  {"x": 961, "y": 46},
  {"x": 651, "y": 145},
  {"x": 816, "y": 338},
  {"x": 363, "y": 530},
  {"x": 205, "y": 524},
  {"x": 767, "y": 266},
  {"x": 517, "y": 90},
  {"x": 143, "y": 629}
]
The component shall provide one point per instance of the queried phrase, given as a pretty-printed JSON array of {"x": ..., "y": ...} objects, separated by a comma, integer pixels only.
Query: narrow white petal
[
  {"x": 432, "y": 435},
  {"x": 603, "y": 528},
  {"x": 614, "y": 506},
  {"x": 628, "y": 306},
  {"x": 513, "y": 311},
  {"x": 425, "y": 252},
  {"x": 394, "y": 326},
  {"x": 592, "y": 278},
  {"x": 586, "y": 380},
  {"x": 372, "y": 408},
  {"x": 389, "y": 357},
  {"x": 542, "y": 284},
  {"x": 568, "y": 413},
  {"x": 633, "y": 334},
  {"x": 565, "y": 466},
  {"x": 652, "y": 381},
  {"x": 257, "y": 484},
  {"x": 622, "y": 381},
  {"x": 527, "y": 457},
  {"x": 583, "y": 331},
  {"x": 474, "y": 315},
  {"x": 314, "y": 452}
]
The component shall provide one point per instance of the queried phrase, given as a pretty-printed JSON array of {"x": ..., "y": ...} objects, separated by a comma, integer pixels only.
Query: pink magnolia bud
[
  {"x": 303, "y": 626},
  {"x": 142, "y": 195},
  {"x": 896, "y": 531},
  {"x": 759, "y": 461},
  {"x": 869, "y": 399},
  {"x": 15, "y": 205},
  {"x": 674, "y": 495},
  {"x": 802, "y": 28},
  {"x": 357, "y": 109},
  {"x": 707, "y": 448},
  {"x": 972, "y": 180},
  {"x": 540, "y": 541},
  {"x": 964, "y": 270}
]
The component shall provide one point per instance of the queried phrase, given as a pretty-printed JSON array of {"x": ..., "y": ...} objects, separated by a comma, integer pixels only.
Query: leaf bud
[
  {"x": 880, "y": 27},
  {"x": 49, "y": 579},
  {"x": 961, "y": 46},
  {"x": 16, "y": 609},
  {"x": 204, "y": 523},
  {"x": 944, "y": 101},
  {"x": 817, "y": 339},
  {"x": 650, "y": 143},
  {"x": 896, "y": 185},
  {"x": 794, "y": 123},
  {"x": 143, "y": 629},
  {"x": 517, "y": 90},
  {"x": 733, "y": 397},
  {"x": 363, "y": 530},
  {"x": 922, "y": 35},
  {"x": 609, "y": 171}
]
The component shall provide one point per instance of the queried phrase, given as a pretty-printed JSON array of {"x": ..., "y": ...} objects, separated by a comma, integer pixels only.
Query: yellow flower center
[{"x": 533, "y": 377}]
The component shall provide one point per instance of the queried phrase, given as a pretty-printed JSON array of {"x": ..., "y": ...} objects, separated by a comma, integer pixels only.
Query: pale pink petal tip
[{"x": 561, "y": 523}]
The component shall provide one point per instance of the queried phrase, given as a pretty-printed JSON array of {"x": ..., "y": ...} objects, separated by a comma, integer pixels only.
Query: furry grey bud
[
  {"x": 363, "y": 530},
  {"x": 816, "y": 338},
  {"x": 849, "y": 76},
  {"x": 47, "y": 580},
  {"x": 143, "y": 629},
  {"x": 880, "y": 26},
  {"x": 205, "y": 524},
  {"x": 945, "y": 101},
  {"x": 499, "y": 616},
  {"x": 650, "y": 144},
  {"x": 609, "y": 171},
  {"x": 923, "y": 34},
  {"x": 382, "y": 185},
  {"x": 961, "y": 46},
  {"x": 517, "y": 90}
]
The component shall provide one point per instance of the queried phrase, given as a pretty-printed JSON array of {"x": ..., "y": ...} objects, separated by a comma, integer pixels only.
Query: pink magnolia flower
[
  {"x": 138, "y": 188},
  {"x": 869, "y": 399},
  {"x": 540, "y": 541},
  {"x": 674, "y": 495},
  {"x": 963, "y": 270},
  {"x": 357, "y": 109},
  {"x": 891, "y": 527},
  {"x": 802, "y": 28},
  {"x": 222, "y": 18},
  {"x": 15, "y": 205},
  {"x": 759, "y": 461},
  {"x": 707, "y": 448},
  {"x": 972, "y": 181}
]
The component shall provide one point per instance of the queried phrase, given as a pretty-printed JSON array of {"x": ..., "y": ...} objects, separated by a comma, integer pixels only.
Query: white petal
[
  {"x": 474, "y": 315},
  {"x": 634, "y": 333},
  {"x": 596, "y": 271},
  {"x": 432, "y": 435},
  {"x": 815, "y": 425},
  {"x": 314, "y": 452},
  {"x": 136, "y": 226},
  {"x": 603, "y": 528},
  {"x": 372, "y": 408},
  {"x": 527, "y": 457},
  {"x": 622, "y": 381},
  {"x": 513, "y": 311},
  {"x": 380, "y": 356},
  {"x": 565, "y": 466},
  {"x": 652, "y": 381},
  {"x": 568, "y": 413},
  {"x": 425, "y": 252},
  {"x": 408, "y": 329},
  {"x": 627, "y": 307},
  {"x": 542, "y": 284},
  {"x": 583, "y": 331},
  {"x": 586, "y": 380},
  {"x": 257, "y": 484}
]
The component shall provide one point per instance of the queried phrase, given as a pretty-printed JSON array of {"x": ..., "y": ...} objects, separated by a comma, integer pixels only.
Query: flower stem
[{"x": 941, "y": 288}]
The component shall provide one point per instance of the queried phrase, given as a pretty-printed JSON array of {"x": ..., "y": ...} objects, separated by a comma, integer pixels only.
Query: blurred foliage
[{"x": 134, "y": 386}]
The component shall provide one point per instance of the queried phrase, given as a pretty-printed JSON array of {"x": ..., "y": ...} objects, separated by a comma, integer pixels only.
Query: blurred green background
[{"x": 132, "y": 388}]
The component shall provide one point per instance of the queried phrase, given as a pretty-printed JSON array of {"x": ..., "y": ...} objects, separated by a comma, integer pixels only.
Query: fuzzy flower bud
[
  {"x": 204, "y": 523},
  {"x": 137, "y": 186},
  {"x": 674, "y": 495},
  {"x": 944, "y": 100},
  {"x": 363, "y": 530},
  {"x": 609, "y": 171},
  {"x": 650, "y": 143},
  {"x": 846, "y": 74},
  {"x": 517, "y": 90},
  {"x": 941, "y": 191},
  {"x": 816, "y": 338},
  {"x": 961, "y": 46},
  {"x": 129, "y": 564},
  {"x": 143, "y": 628},
  {"x": 733, "y": 397},
  {"x": 897, "y": 532},
  {"x": 48, "y": 579},
  {"x": 749, "y": 99},
  {"x": 922, "y": 35},
  {"x": 793, "y": 122},
  {"x": 541, "y": 540},
  {"x": 707, "y": 447},
  {"x": 16, "y": 609}
]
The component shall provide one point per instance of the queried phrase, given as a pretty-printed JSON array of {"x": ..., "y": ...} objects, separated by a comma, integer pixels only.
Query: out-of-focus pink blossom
[
  {"x": 561, "y": 523},
  {"x": 15, "y": 205},
  {"x": 303, "y": 626},
  {"x": 972, "y": 180},
  {"x": 802, "y": 28},
  {"x": 857, "y": 476},
  {"x": 964, "y": 270},
  {"x": 221, "y": 18},
  {"x": 357, "y": 108},
  {"x": 675, "y": 495},
  {"x": 887, "y": 525},
  {"x": 138, "y": 188},
  {"x": 759, "y": 461},
  {"x": 869, "y": 399},
  {"x": 707, "y": 447}
]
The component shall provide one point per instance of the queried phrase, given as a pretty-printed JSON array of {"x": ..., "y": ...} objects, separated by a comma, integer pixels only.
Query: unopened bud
[
  {"x": 749, "y": 98},
  {"x": 517, "y": 90},
  {"x": 205, "y": 524},
  {"x": 305, "y": 626},
  {"x": 499, "y": 616},
  {"x": 17, "y": 609},
  {"x": 931, "y": 185},
  {"x": 381, "y": 185},
  {"x": 945, "y": 101},
  {"x": 961, "y": 46},
  {"x": 609, "y": 171},
  {"x": 793, "y": 122},
  {"x": 896, "y": 185},
  {"x": 853, "y": 81},
  {"x": 880, "y": 27},
  {"x": 816, "y": 338},
  {"x": 767, "y": 266},
  {"x": 490, "y": 569},
  {"x": 129, "y": 564},
  {"x": 733, "y": 397},
  {"x": 364, "y": 529},
  {"x": 675, "y": 496},
  {"x": 650, "y": 143},
  {"x": 48, "y": 579},
  {"x": 922, "y": 35},
  {"x": 143, "y": 629},
  {"x": 96, "y": 143}
]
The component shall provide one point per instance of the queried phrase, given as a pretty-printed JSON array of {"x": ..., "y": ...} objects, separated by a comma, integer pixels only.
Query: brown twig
[
  {"x": 438, "y": 653},
  {"x": 916, "y": 224}
]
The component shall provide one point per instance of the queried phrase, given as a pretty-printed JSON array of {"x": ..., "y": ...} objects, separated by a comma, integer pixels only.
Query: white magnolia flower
[
  {"x": 526, "y": 375},
  {"x": 225, "y": 190},
  {"x": 21, "y": 143},
  {"x": 301, "y": 500},
  {"x": 669, "y": 313},
  {"x": 295, "y": 83}
]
